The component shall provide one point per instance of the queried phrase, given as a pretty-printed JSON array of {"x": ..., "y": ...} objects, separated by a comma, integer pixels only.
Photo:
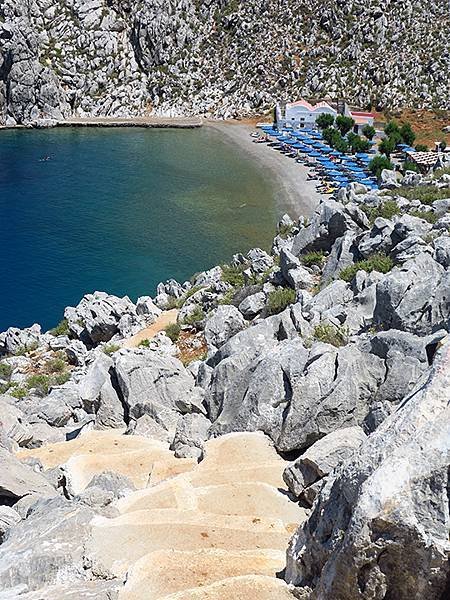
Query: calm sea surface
[{"x": 119, "y": 210}]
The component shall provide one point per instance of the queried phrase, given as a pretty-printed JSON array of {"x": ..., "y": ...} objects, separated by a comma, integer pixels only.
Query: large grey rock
[
  {"x": 260, "y": 393},
  {"x": 47, "y": 546},
  {"x": 8, "y": 518},
  {"x": 293, "y": 272},
  {"x": 13, "y": 421},
  {"x": 412, "y": 297},
  {"x": 14, "y": 339},
  {"x": 330, "y": 221},
  {"x": 335, "y": 391},
  {"x": 239, "y": 353},
  {"x": 157, "y": 385},
  {"x": 378, "y": 239},
  {"x": 97, "y": 316},
  {"x": 321, "y": 458},
  {"x": 99, "y": 395},
  {"x": 253, "y": 305},
  {"x": 343, "y": 253},
  {"x": 442, "y": 250},
  {"x": 259, "y": 260},
  {"x": 225, "y": 322},
  {"x": 191, "y": 433},
  {"x": 380, "y": 526},
  {"x": 18, "y": 480},
  {"x": 147, "y": 426}
]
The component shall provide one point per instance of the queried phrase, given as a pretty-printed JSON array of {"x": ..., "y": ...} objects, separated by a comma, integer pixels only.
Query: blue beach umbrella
[{"x": 314, "y": 154}]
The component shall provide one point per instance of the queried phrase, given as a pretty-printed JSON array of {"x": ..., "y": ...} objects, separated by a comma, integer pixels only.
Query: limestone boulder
[
  {"x": 225, "y": 322},
  {"x": 380, "y": 525}
]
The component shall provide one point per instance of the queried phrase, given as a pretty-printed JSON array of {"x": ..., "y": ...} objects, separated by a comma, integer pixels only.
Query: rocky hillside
[
  {"x": 221, "y": 58},
  {"x": 334, "y": 346}
]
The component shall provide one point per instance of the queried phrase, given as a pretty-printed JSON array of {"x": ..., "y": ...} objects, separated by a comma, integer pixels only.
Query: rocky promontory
[
  {"x": 296, "y": 400},
  {"x": 218, "y": 58}
]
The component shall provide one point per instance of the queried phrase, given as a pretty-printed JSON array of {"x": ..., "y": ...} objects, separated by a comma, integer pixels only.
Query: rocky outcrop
[
  {"x": 380, "y": 525},
  {"x": 214, "y": 57}
]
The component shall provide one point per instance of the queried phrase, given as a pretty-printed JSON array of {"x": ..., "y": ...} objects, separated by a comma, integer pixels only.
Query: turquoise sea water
[{"x": 119, "y": 210}]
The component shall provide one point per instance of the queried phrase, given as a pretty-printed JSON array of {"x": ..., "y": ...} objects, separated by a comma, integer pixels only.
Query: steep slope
[{"x": 217, "y": 57}]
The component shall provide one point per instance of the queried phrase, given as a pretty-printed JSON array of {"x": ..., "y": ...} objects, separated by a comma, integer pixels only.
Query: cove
[{"x": 120, "y": 210}]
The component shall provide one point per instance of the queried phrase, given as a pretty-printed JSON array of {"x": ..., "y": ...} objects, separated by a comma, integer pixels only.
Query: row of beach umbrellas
[{"x": 310, "y": 142}]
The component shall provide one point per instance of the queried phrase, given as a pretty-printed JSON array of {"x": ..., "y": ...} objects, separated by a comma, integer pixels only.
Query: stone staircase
[{"x": 214, "y": 530}]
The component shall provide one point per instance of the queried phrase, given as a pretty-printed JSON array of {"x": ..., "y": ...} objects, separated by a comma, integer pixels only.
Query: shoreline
[{"x": 294, "y": 194}]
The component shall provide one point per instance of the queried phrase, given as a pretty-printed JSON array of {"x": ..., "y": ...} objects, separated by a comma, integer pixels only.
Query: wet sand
[{"x": 294, "y": 193}]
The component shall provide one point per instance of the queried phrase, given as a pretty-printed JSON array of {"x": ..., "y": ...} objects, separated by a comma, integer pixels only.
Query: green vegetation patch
[
  {"x": 330, "y": 334},
  {"x": 234, "y": 275},
  {"x": 5, "y": 371},
  {"x": 387, "y": 210},
  {"x": 110, "y": 349},
  {"x": 173, "y": 332},
  {"x": 196, "y": 316},
  {"x": 427, "y": 194},
  {"x": 61, "y": 329},
  {"x": 428, "y": 216},
  {"x": 312, "y": 258},
  {"x": 280, "y": 299},
  {"x": 377, "y": 262}
]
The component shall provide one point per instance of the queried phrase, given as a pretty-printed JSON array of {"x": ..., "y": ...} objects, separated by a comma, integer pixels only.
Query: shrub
[
  {"x": 5, "y": 371},
  {"x": 144, "y": 343},
  {"x": 313, "y": 258},
  {"x": 228, "y": 297},
  {"x": 40, "y": 383},
  {"x": 392, "y": 128},
  {"x": 173, "y": 331},
  {"x": 191, "y": 292},
  {"x": 61, "y": 378},
  {"x": 194, "y": 317},
  {"x": 279, "y": 299},
  {"x": 110, "y": 349},
  {"x": 330, "y": 334},
  {"x": 407, "y": 134},
  {"x": 285, "y": 230},
  {"x": 324, "y": 121},
  {"x": 233, "y": 275},
  {"x": 387, "y": 210},
  {"x": 18, "y": 392},
  {"x": 429, "y": 216},
  {"x": 421, "y": 148},
  {"x": 56, "y": 365},
  {"x": 387, "y": 146},
  {"x": 377, "y": 262},
  {"x": 427, "y": 194},
  {"x": 410, "y": 166},
  {"x": 344, "y": 124},
  {"x": 61, "y": 329},
  {"x": 378, "y": 163},
  {"x": 369, "y": 132},
  {"x": 442, "y": 171}
]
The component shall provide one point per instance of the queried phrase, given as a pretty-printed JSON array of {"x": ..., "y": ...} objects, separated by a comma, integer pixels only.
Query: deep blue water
[{"x": 119, "y": 210}]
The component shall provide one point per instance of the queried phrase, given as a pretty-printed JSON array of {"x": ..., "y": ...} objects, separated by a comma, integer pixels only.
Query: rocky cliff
[
  {"x": 221, "y": 58},
  {"x": 334, "y": 346}
]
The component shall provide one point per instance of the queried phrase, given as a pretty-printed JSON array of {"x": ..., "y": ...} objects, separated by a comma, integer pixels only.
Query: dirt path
[{"x": 166, "y": 318}]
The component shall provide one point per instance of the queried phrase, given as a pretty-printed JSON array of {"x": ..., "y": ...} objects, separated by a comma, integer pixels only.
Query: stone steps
[
  {"x": 167, "y": 572},
  {"x": 214, "y": 530}
]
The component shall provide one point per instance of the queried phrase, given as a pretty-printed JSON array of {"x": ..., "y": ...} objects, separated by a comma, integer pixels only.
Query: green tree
[
  {"x": 340, "y": 144},
  {"x": 421, "y": 148},
  {"x": 378, "y": 163},
  {"x": 392, "y": 128},
  {"x": 387, "y": 146},
  {"x": 344, "y": 124},
  {"x": 369, "y": 132},
  {"x": 328, "y": 134},
  {"x": 443, "y": 145},
  {"x": 324, "y": 121},
  {"x": 407, "y": 134},
  {"x": 357, "y": 144}
]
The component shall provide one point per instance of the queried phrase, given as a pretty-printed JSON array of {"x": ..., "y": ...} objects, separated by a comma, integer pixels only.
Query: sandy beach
[{"x": 294, "y": 193}]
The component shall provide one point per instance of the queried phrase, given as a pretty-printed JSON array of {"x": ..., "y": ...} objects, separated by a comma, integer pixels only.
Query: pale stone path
[
  {"x": 216, "y": 530},
  {"x": 168, "y": 317}
]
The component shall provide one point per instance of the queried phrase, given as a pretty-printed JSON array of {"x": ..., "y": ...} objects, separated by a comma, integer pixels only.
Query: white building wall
[{"x": 300, "y": 116}]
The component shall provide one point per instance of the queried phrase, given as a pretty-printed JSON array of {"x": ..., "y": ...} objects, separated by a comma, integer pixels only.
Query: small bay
[{"x": 120, "y": 210}]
